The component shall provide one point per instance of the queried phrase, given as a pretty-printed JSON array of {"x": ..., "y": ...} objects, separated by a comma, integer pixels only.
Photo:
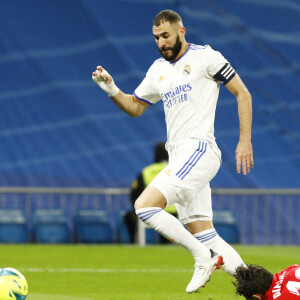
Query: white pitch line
[
  {"x": 81, "y": 270},
  {"x": 53, "y": 297}
]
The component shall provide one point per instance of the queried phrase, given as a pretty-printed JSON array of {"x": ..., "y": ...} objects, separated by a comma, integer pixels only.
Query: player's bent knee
[
  {"x": 151, "y": 197},
  {"x": 141, "y": 202},
  {"x": 138, "y": 204}
]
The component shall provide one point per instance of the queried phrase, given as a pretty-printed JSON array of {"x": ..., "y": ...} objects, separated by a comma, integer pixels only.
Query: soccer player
[
  {"x": 255, "y": 282},
  {"x": 187, "y": 79}
]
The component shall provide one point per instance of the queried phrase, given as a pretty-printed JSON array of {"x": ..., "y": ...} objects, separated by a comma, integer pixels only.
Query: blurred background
[{"x": 66, "y": 146}]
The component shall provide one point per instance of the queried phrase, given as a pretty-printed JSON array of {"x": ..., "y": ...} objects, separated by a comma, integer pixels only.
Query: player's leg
[
  {"x": 188, "y": 162},
  {"x": 198, "y": 220},
  {"x": 189, "y": 215},
  {"x": 197, "y": 216},
  {"x": 211, "y": 239},
  {"x": 149, "y": 208}
]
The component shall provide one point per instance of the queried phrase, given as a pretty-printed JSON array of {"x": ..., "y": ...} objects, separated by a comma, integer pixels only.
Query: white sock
[
  {"x": 172, "y": 229},
  {"x": 212, "y": 240}
]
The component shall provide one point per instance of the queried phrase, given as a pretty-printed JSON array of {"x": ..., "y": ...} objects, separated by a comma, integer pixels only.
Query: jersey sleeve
[
  {"x": 147, "y": 92},
  {"x": 218, "y": 67}
]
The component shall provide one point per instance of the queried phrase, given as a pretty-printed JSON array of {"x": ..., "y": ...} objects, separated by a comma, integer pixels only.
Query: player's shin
[{"x": 172, "y": 229}]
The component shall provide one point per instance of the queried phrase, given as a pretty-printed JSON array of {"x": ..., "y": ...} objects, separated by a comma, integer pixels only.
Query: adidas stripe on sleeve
[{"x": 225, "y": 74}]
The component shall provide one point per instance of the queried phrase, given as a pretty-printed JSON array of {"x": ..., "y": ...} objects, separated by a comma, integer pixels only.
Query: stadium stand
[
  {"x": 58, "y": 129},
  {"x": 263, "y": 216}
]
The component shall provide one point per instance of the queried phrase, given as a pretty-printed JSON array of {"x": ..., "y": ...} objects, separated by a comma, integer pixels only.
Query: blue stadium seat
[
  {"x": 13, "y": 228},
  {"x": 225, "y": 225},
  {"x": 50, "y": 226},
  {"x": 93, "y": 226}
]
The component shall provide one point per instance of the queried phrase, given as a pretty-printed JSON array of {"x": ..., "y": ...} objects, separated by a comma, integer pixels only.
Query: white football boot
[{"x": 203, "y": 270}]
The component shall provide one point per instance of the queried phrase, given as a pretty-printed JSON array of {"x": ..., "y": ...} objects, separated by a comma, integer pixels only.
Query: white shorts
[{"x": 185, "y": 180}]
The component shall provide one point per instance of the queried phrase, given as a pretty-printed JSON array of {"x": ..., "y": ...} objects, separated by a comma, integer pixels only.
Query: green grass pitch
[{"x": 114, "y": 272}]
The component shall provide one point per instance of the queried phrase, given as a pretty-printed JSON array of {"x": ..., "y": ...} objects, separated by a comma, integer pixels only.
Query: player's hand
[
  {"x": 105, "y": 81},
  {"x": 244, "y": 157}
]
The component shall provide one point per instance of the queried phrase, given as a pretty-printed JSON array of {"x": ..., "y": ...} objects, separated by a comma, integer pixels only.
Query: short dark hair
[
  {"x": 167, "y": 15},
  {"x": 252, "y": 280},
  {"x": 161, "y": 153}
]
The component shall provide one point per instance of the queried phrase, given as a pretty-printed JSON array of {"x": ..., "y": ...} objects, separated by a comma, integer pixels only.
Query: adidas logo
[{"x": 168, "y": 172}]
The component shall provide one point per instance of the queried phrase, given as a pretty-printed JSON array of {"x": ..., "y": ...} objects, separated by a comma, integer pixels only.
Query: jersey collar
[{"x": 183, "y": 54}]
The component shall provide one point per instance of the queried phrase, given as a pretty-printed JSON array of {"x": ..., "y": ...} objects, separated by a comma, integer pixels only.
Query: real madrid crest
[{"x": 187, "y": 70}]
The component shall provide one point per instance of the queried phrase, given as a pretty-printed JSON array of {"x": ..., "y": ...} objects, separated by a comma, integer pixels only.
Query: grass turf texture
[{"x": 74, "y": 272}]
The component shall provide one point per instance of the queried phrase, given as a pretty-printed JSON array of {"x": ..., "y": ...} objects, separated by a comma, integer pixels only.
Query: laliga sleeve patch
[{"x": 225, "y": 74}]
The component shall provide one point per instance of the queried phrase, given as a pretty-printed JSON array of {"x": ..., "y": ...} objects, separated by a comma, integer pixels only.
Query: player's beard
[{"x": 174, "y": 50}]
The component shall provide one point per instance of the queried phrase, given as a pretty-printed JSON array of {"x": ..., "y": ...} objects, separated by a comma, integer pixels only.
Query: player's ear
[
  {"x": 181, "y": 31},
  {"x": 258, "y": 297}
]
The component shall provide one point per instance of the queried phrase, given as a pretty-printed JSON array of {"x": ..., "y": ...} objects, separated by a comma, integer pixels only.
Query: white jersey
[{"x": 189, "y": 88}]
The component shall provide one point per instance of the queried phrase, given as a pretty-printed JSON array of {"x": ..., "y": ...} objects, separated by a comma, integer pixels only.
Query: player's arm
[
  {"x": 125, "y": 102},
  {"x": 244, "y": 151}
]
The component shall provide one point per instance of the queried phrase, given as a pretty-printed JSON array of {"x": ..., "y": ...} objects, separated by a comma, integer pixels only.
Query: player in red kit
[{"x": 255, "y": 282}]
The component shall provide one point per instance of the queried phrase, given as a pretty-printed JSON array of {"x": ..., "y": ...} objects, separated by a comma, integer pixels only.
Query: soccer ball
[{"x": 13, "y": 285}]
